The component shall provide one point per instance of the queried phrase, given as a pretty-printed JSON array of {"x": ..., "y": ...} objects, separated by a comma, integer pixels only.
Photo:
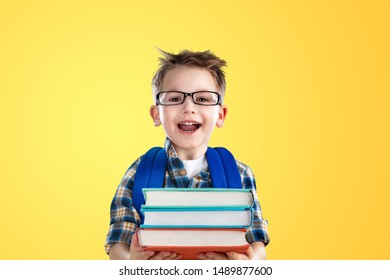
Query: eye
[
  {"x": 173, "y": 97},
  {"x": 206, "y": 98},
  {"x": 202, "y": 99}
]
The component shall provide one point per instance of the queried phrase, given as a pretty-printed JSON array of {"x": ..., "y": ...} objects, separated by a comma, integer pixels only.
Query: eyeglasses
[{"x": 174, "y": 97}]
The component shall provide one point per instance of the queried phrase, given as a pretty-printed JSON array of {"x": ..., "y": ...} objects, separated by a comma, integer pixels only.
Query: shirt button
[{"x": 182, "y": 172}]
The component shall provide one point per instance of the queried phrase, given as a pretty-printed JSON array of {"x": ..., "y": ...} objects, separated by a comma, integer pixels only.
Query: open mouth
[{"x": 189, "y": 127}]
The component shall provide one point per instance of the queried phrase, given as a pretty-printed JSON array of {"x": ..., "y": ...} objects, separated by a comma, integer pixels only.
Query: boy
[{"x": 188, "y": 89}]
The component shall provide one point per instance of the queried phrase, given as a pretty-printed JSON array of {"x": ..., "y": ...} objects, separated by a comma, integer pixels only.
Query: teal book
[
  {"x": 197, "y": 217},
  {"x": 205, "y": 197}
]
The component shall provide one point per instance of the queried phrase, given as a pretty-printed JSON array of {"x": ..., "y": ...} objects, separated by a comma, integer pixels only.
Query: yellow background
[{"x": 308, "y": 93}]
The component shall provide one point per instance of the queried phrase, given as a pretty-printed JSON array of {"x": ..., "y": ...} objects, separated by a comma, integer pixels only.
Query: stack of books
[{"x": 191, "y": 221}]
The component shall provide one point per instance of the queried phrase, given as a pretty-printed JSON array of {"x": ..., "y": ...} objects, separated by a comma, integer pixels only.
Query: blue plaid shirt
[{"x": 125, "y": 219}]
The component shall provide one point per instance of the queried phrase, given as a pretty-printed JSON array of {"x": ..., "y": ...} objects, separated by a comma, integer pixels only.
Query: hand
[
  {"x": 255, "y": 252},
  {"x": 138, "y": 253},
  {"x": 247, "y": 255}
]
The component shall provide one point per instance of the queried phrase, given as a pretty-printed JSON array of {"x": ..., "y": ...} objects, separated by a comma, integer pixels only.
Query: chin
[{"x": 188, "y": 144}]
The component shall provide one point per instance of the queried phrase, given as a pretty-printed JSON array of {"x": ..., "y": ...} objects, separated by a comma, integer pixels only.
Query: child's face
[{"x": 188, "y": 125}]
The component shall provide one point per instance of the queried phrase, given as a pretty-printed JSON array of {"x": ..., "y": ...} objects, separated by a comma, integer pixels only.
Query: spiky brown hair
[{"x": 206, "y": 60}]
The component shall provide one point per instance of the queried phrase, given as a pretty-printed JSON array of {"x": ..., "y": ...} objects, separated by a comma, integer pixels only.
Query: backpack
[{"x": 151, "y": 172}]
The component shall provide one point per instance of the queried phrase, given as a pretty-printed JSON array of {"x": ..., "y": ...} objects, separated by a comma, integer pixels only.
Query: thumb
[
  {"x": 134, "y": 240},
  {"x": 136, "y": 250}
]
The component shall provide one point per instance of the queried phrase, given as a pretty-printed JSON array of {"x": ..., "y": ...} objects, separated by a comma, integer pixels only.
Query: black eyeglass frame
[{"x": 219, "y": 101}]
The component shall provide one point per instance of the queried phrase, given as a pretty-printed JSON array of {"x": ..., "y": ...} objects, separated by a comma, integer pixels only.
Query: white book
[{"x": 197, "y": 217}]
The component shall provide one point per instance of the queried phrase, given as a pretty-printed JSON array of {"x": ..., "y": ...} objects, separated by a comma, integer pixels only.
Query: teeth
[{"x": 189, "y": 123}]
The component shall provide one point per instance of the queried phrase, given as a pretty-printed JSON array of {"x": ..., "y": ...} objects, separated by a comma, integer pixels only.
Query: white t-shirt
[{"x": 194, "y": 166}]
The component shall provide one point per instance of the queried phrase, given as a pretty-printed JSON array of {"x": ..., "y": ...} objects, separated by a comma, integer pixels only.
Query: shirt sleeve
[
  {"x": 259, "y": 229},
  {"x": 124, "y": 218}
]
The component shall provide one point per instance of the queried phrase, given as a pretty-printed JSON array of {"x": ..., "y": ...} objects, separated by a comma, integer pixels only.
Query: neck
[{"x": 190, "y": 154}]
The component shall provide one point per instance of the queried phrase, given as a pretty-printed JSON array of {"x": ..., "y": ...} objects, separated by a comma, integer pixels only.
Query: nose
[{"x": 189, "y": 107}]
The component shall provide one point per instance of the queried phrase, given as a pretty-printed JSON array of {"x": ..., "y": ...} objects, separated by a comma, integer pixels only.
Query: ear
[
  {"x": 221, "y": 115},
  {"x": 155, "y": 115}
]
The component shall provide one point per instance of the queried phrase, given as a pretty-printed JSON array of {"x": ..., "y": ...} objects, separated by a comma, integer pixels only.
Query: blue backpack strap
[
  {"x": 217, "y": 173},
  {"x": 232, "y": 174},
  {"x": 157, "y": 175},
  {"x": 150, "y": 174}
]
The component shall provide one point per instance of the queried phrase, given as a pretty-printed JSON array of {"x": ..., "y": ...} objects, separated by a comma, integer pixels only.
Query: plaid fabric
[{"x": 125, "y": 219}]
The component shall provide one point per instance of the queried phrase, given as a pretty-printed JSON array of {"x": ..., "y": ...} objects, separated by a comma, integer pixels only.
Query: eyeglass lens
[{"x": 201, "y": 98}]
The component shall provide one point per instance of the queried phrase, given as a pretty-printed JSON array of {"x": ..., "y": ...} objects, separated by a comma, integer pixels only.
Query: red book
[{"x": 189, "y": 242}]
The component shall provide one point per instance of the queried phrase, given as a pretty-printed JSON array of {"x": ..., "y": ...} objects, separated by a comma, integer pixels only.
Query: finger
[
  {"x": 178, "y": 257},
  {"x": 171, "y": 256},
  {"x": 236, "y": 256},
  {"x": 146, "y": 255},
  {"x": 216, "y": 256},
  {"x": 166, "y": 256},
  {"x": 161, "y": 256}
]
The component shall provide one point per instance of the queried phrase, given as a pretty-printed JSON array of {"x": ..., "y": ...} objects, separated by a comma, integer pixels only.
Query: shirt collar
[{"x": 169, "y": 149}]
